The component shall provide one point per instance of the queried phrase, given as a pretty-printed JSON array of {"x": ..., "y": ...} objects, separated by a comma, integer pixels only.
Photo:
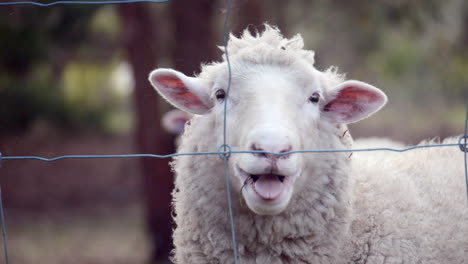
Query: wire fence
[
  {"x": 110, "y": 2},
  {"x": 224, "y": 151}
]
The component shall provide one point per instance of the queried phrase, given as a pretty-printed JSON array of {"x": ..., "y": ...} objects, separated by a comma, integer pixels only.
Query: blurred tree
[
  {"x": 139, "y": 37},
  {"x": 31, "y": 36},
  {"x": 28, "y": 41},
  {"x": 194, "y": 43},
  {"x": 464, "y": 33},
  {"x": 248, "y": 14},
  {"x": 194, "y": 34}
]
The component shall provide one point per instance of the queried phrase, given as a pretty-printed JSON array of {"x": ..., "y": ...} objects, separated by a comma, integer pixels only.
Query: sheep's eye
[
  {"x": 315, "y": 98},
  {"x": 220, "y": 94}
]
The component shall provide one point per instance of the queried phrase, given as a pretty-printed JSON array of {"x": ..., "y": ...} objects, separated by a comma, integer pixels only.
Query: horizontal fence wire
[
  {"x": 228, "y": 152},
  {"x": 224, "y": 151},
  {"x": 110, "y": 2}
]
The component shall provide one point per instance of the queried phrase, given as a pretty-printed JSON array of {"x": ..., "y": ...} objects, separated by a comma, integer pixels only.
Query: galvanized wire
[
  {"x": 228, "y": 151},
  {"x": 2, "y": 219},
  {"x": 111, "y": 2},
  {"x": 225, "y": 146}
]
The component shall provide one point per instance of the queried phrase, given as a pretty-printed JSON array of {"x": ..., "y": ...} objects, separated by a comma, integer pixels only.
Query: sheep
[
  {"x": 325, "y": 207},
  {"x": 174, "y": 122}
]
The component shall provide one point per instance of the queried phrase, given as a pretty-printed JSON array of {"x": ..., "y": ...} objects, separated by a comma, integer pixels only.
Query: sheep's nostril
[
  {"x": 287, "y": 149},
  {"x": 285, "y": 156},
  {"x": 254, "y": 147}
]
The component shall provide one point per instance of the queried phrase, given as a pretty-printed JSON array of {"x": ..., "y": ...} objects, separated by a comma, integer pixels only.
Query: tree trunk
[
  {"x": 248, "y": 14},
  {"x": 139, "y": 40},
  {"x": 464, "y": 31},
  {"x": 194, "y": 34}
]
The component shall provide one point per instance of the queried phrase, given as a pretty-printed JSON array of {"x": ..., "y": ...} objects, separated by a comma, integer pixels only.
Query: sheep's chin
[{"x": 261, "y": 205}]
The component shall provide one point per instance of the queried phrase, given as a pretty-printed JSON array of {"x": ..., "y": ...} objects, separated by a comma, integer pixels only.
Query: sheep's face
[
  {"x": 264, "y": 110},
  {"x": 270, "y": 108}
]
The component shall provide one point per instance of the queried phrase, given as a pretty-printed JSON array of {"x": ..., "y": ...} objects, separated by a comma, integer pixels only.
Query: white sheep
[{"x": 303, "y": 208}]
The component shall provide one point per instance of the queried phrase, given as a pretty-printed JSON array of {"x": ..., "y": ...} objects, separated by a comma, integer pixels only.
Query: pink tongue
[{"x": 268, "y": 187}]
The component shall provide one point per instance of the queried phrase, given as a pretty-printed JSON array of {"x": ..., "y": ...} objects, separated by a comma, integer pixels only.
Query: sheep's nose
[{"x": 276, "y": 148}]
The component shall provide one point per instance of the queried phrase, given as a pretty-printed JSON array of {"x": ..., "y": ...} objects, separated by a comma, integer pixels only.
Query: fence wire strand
[
  {"x": 224, "y": 151},
  {"x": 225, "y": 146},
  {"x": 228, "y": 151},
  {"x": 110, "y": 2},
  {"x": 2, "y": 219}
]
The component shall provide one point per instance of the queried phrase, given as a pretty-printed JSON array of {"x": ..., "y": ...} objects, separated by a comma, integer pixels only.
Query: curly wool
[
  {"x": 410, "y": 207},
  {"x": 203, "y": 235},
  {"x": 267, "y": 48}
]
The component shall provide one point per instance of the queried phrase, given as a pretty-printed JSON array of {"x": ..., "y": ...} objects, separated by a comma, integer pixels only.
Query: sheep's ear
[
  {"x": 352, "y": 101},
  {"x": 174, "y": 121},
  {"x": 186, "y": 93}
]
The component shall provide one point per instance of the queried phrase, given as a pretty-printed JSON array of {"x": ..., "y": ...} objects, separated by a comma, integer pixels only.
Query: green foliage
[
  {"x": 455, "y": 77},
  {"x": 398, "y": 55},
  {"x": 29, "y": 34},
  {"x": 87, "y": 94},
  {"x": 22, "y": 102},
  {"x": 37, "y": 47}
]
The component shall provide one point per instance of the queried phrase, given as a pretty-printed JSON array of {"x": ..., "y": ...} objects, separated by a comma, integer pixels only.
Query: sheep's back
[{"x": 410, "y": 207}]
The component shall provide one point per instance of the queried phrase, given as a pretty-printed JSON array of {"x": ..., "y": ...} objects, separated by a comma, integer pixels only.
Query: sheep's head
[{"x": 277, "y": 103}]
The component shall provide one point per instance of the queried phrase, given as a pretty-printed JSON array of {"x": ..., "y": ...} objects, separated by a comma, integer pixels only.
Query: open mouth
[
  {"x": 267, "y": 192},
  {"x": 256, "y": 177},
  {"x": 267, "y": 186}
]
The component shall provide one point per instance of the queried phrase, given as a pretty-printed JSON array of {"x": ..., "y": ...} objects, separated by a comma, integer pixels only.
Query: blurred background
[{"x": 73, "y": 80}]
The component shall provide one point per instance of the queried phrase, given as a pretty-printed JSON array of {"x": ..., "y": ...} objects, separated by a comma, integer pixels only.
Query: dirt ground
[
  {"x": 72, "y": 211},
  {"x": 116, "y": 236}
]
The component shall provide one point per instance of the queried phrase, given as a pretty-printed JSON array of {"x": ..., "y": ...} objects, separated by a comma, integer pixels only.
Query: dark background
[{"x": 73, "y": 80}]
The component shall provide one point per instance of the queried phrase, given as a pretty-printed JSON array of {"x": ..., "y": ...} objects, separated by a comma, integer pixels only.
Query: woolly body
[
  {"x": 410, "y": 207},
  {"x": 327, "y": 210}
]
